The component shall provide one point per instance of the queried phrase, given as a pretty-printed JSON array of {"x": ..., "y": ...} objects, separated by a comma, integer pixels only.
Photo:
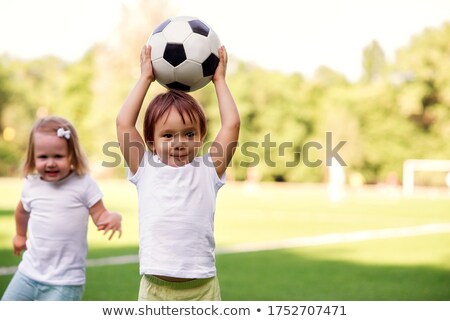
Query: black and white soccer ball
[{"x": 185, "y": 53}]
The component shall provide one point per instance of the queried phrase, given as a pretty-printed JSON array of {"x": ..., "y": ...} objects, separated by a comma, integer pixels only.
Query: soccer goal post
[{"x": 411, "y": 166}]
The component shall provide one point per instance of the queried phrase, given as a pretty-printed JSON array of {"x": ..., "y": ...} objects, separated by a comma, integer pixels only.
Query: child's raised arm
[
  {"x": 131, "y": 142},
  {"x": 224, "y": 145},
  {"x": 106, "y": 221},
  {"x": 19, "y": 241}
]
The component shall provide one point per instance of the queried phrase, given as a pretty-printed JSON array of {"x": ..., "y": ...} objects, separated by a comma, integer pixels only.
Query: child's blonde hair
[{"x": 50, "y": 125}]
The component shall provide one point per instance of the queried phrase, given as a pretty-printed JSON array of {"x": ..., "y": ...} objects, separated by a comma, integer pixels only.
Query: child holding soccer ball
[
  {"x": 57, "y": 197},
  {"x": 176, "y": 188}
]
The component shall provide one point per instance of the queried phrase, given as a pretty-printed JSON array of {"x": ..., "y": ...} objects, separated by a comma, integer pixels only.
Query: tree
[
  {"x": 425, "y": 66},
  {"x": 5, "y": 90},
  {"x": 374, "y": 62},
  {"x": 115, "y": 66}
]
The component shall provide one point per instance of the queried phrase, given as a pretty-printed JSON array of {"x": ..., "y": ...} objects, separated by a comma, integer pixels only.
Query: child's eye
[
  {"x": 190, "y": 134},
  {"x": 42, "y": 157},
  {"x": 167, "y": 135}
]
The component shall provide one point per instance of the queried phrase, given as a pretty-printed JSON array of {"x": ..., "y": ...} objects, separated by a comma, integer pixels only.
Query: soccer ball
[{"x": 185, "y": 53}]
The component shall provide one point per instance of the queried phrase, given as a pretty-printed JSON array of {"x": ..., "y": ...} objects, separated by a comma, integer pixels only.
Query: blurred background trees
[{"x": 396, "y": 111}]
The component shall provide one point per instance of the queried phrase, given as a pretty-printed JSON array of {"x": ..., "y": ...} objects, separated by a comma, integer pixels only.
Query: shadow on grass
[
  {"x": 7, "y": 257},
  {"x": 285, "y": 275},
  {"x": 110, "y": 283},
  {"x": 281, "y": 275}
]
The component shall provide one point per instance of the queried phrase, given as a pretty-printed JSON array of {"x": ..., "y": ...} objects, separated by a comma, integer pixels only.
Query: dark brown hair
[
  {"x": 183, "y": 103},
  {"x": 50, "y": 125}
]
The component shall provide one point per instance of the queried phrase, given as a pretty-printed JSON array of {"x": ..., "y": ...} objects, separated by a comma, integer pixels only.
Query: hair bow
[{"x": 63, "y": 133}]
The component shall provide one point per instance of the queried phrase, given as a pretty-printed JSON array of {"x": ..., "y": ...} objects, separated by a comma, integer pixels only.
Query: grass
[
  {"x": 410, "y": 268},
  {"x": 301, "y": 275}
]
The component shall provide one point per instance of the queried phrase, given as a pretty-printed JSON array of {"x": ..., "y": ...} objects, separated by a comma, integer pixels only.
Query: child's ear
[{"x": 71, "y": 162}]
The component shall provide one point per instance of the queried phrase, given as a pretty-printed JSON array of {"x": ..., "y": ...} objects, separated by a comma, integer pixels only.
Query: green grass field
[{"x": 403, "y": 268}]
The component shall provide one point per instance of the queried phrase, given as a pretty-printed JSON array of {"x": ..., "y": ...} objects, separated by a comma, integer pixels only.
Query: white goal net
[{"x": 411, "y": 166}]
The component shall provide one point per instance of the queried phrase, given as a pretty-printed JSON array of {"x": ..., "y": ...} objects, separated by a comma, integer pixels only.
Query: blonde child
[
  {"x": 57, "y": 197},
  {"x": 176, "y": 189}
]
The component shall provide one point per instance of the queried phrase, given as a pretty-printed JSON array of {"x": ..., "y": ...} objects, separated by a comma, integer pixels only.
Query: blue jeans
[{"x": 22, "y": 288}]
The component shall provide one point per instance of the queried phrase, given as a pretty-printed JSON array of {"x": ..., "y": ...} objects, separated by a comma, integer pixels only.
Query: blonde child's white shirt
[
  {"x": 176, "y": 217},
  {"x": 57, "y": 228}
]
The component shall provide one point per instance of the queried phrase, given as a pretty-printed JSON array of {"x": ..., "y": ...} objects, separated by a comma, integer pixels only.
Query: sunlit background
[
  {"x": 371, "y": 76},
  {"x": 372, "y": 73},
  {"x": 287, "y": 35}
]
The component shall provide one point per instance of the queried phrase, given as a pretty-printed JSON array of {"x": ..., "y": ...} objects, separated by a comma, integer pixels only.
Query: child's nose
[{"x": 179, "y": 141}]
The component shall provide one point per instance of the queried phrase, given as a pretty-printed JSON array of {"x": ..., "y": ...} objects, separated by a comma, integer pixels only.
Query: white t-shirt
[
  {"x": 176, "y": 217},
  {"x": 57, "y": 228}
]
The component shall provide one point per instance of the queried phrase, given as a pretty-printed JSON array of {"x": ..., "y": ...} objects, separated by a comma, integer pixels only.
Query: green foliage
[
  {"x": 374, "y": 62},
  {"x": 9, "y": 157},
  {"x": 77, "y": 90},
  {"x": 5, "y": 90},
  {"x": 395, "y": 112}
]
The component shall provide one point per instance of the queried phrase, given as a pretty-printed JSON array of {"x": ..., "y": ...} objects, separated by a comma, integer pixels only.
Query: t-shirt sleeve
[
  {"x": 25, "y": 195},
  {"x": 141, "y": 169},
  {"x": 218, "y": 181},
  {"x": 93, "y": 194}
]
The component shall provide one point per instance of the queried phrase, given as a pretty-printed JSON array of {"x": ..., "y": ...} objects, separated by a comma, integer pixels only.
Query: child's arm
[
  {"x": 224, "y": 145},
  {"x": 131, "y": 142},
  {"x": 20, "y": 239},
  {"x": 104, "y": 220}
]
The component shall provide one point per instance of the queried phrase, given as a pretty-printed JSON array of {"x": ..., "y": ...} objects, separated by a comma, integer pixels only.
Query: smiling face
[
  {"x": 51, "y": 157},
  {"x": 176, "y": 142}
]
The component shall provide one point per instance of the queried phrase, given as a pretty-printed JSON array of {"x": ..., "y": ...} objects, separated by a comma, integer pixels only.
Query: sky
[{"x": 285, "y": 35}]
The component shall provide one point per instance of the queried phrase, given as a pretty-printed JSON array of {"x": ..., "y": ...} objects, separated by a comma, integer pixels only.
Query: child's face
[
  {"x": 176, "y": 143},
  {"x": 51, "y": 156}
]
